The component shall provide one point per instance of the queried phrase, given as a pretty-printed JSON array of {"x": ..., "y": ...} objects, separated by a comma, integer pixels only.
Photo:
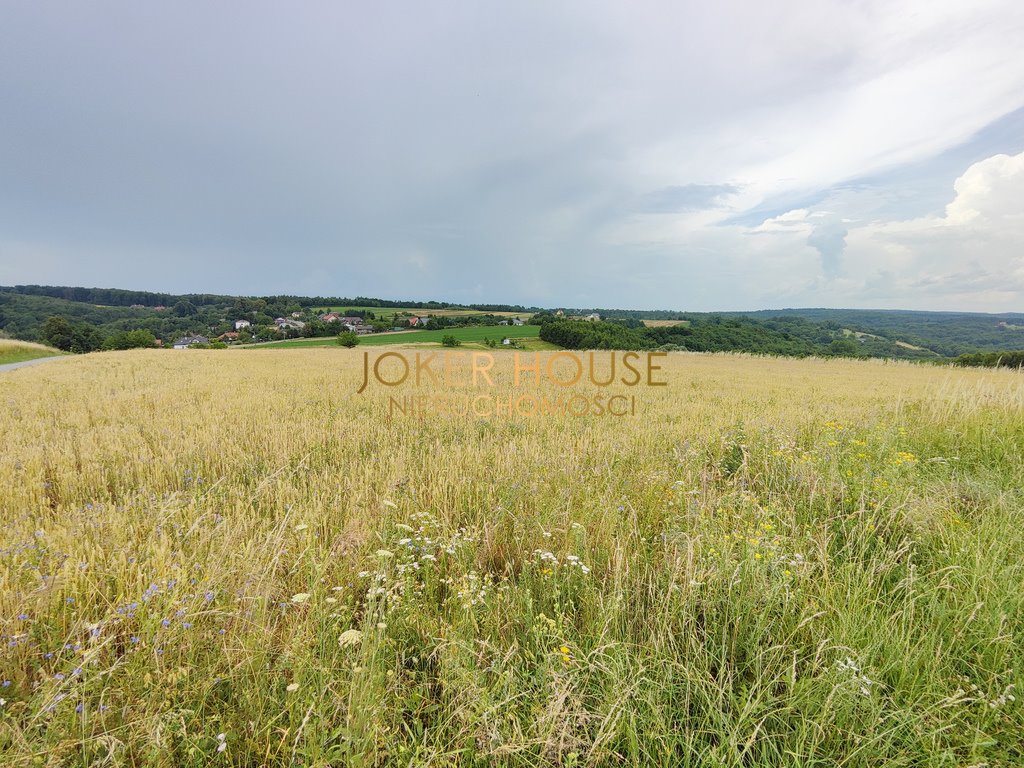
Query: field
[
  {"x": 468, "y": 334},
  {"x": 389, "y": 311},
  {"x": 665, "y": 323},
  {"x": 12, "y": 351},
  {"x": 227, "y": 559}
]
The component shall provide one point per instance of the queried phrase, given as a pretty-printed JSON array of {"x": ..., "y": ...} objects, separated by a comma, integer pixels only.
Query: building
[
  {"x": 187, "y": 341},
  {"x": 229, "y": 336},
  {"x": 331, "y": 317},
  {"x": 592, "y": 317},
  {"x": 517, "y": 321},
  {"x": 240, "y": 324},
  {"x": 282, "y": 323}
]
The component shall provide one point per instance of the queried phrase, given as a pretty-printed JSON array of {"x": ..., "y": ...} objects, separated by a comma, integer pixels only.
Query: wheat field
[{"x": 229, "y": 558}]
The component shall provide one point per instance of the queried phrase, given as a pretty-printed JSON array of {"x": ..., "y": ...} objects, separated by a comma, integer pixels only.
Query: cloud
[
  {"x": 689, "y": 197},
  {"x": 581, "y": 153},
  {"x": 970, "y": 255}
]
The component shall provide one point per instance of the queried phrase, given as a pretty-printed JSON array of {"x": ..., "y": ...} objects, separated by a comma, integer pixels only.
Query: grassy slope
[
  {"x": 18, "y": 351},
  {"x": 787, "y": 563},
  {"x": 470, "y": 333},
  {"x": 389, "y": 311}
]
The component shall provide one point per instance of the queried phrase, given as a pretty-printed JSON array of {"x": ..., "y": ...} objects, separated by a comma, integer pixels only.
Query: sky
[{"x": 651, "y": 155}]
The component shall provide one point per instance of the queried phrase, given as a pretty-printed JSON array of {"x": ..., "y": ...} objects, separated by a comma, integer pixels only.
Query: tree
[
  {"x": 450, "y": 341},
  {"x": 58, "y": 332},
  {"x": 139, "y": 339},
  {"x": 185, "y": 308},
  {"x": 348, "y": 339}
]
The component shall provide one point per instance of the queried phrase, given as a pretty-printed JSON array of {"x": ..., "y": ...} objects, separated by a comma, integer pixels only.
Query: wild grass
[
  {"x": 12, "y": 351},
  {"x": 215, "y": 559}
]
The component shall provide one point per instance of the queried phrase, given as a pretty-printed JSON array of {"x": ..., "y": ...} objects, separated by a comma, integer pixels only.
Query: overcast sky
[{"x": 693, "y": 156}]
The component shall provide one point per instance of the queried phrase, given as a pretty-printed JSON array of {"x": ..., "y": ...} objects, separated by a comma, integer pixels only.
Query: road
[{"x": 12, "y": 366}]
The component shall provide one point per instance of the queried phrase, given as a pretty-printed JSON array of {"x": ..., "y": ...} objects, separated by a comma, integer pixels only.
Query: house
[
  {"x": 503, "y": 322},
  {"x": 240, "y": 324},
  {"x": 159, "y": 308},
  {"x": 592, "y": 317},
  {"x": 331, "y": 317},
  {"x": 296, "y": 315},
  {"x": 187, "y": 341},
  {"x": 229, "y": 336},
  {"x": 414, "y": 321},
  {"x": 282, "y": 323},
  {"x": 352, "y": 320},
  {"x": 517, "y": 321}
]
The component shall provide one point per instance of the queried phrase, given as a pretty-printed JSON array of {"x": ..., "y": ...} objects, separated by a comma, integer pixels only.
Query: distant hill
[
  {"x": 100, "y": 313},
  {"x": 944, "y": 334}
]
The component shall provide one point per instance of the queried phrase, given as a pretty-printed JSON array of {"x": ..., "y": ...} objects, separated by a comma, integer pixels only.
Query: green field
[
  {"x": 389, "y": 311},
  {"x": 474, "y": 333}
]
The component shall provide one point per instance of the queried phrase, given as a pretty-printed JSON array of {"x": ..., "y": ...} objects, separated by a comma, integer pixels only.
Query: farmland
[
  {"x": 418, "y": 311},
  {"x": 216, "y": 558},
  {"x": 467, "y": 334}
]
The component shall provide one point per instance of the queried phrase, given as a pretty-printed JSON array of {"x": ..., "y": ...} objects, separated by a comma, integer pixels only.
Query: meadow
[
  {"x": 389, "y": 311},
  {"x": 13, "y": 351},
  {"x": 468, "y": 334},
  {"x": 212, "y": 558}
]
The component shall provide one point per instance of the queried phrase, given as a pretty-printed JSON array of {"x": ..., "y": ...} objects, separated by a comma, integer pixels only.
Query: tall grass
[
  {"x": 12, "y": 351},
  {"x": 234, "y": 559}
]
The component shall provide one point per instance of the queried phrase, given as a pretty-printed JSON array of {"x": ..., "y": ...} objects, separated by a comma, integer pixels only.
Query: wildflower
[
  {"x": 301, "y": 527},
  {"x": 292, "y": 687},
  {"x": 385, "y": 553},
  {"x": 222, "y": 739},
  {"x": 350, "y": 637},
  {"x": 301, "y": 597}
]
